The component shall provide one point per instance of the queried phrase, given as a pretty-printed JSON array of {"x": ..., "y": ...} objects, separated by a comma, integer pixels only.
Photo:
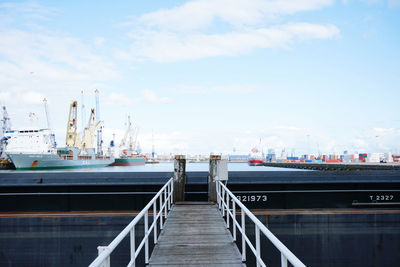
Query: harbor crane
[
  {"x": 72, "y": 138},
  {"x": 89, "y": 132}
]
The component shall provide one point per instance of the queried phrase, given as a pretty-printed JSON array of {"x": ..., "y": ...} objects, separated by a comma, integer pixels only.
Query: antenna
[
  {"x": 46, "y": 110},
  {"x": 83, "y": 115},
  {"x": 100, "y": 129},
  {"x": 52, "y": 136}
]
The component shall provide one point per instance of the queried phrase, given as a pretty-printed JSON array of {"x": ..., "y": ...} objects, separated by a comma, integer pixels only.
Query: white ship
[{"x": 36, "y": 149}]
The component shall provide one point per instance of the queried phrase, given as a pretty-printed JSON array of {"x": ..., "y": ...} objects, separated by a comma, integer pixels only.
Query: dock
[{"x": 195, "y": 235}]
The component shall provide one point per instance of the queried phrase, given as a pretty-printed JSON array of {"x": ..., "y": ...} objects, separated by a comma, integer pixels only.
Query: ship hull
[
  {"x": 255, "y": 162},
  {"x": 53, "y": 161},
  {"x": 129, "y": 161}
]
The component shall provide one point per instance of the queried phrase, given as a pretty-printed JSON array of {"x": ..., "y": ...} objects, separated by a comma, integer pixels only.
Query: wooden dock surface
[{"x": 195, "y": 235}]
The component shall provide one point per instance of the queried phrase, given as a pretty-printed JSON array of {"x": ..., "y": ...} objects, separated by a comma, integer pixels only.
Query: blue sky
[{"x": 211, "y": 75}]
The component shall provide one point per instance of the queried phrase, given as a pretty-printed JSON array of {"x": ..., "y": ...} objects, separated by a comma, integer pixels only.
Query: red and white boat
[{"x": 256, "y": 158}]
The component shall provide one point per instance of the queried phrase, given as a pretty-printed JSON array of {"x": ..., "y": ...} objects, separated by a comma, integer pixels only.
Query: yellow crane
[{"x": 72, "y": 138}]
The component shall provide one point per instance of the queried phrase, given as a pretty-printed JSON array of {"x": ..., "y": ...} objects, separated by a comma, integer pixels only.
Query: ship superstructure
[{"x": 127, "y": 153}]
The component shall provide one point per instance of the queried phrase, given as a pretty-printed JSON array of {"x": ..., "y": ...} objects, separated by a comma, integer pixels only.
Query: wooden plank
[{"x": 195, "y": 235}]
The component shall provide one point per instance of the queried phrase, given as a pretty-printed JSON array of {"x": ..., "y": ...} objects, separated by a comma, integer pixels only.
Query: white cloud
[
  {"x": 99, "y": 41},
  {"x": 4, "y": 96},
  {"x": 230, "y": 88},
  {"x": 32, "y": 97},
  {"x": 191, "y": 31},
  {"x": 199, "y": 14},
  {"x": 152, "y": 97},
  {"x": 169, "y": 47},
  {"x": 117, "y": 99}
]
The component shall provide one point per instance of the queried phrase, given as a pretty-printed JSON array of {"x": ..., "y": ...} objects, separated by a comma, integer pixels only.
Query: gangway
[{"x": 195, "y": 233}]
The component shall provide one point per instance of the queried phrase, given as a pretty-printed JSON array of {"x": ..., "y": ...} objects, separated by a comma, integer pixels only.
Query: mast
[
  {"x": 52, "y": 136},
  {"x": 83, "y": 117},
  {"x": 100, "y": 129},
  {"x": 6, "y": 125}
]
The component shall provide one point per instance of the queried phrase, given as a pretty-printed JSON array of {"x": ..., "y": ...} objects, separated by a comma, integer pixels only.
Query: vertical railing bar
[
  {"x": 169, "y": 196},
  {"x": 155, "y": 221},
  {"x": 234, "y": 219},
  {"x": 258, "y": 245},
  {"x": 227, "y": 211},
  {"x": 133, "y": 249},
  {"x": 223, "y": 202},
  {"x": 165, "y": 203},
  {"x": 243, "y": 218},
  {"x": 161, "y": 216},
  {"x": 146, "y": 232},
  {"x": 283, "y": 260}
]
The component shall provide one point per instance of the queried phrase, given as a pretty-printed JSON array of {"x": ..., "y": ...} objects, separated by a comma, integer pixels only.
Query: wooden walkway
[{"x": 195, "y": 235}]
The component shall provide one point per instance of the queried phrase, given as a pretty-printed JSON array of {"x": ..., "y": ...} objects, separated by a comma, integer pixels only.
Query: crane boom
[{"x": 71, "y": 138}]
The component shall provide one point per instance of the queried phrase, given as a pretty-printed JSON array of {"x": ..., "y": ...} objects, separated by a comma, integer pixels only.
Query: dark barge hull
[
  {"x": 87, "y": 191},
  {"x": 59, "y": 219}
]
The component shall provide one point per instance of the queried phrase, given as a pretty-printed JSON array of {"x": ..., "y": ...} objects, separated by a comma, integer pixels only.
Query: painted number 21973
[{"x": 253, "y": 198}]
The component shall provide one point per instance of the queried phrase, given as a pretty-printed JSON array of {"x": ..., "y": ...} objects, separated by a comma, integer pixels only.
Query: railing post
[
  {"x": 283, "y": 260},
  {"x": 258, "y": 245},
  {"x": 133, "y": 249},
  {"x": 169, "y": 193},
  {"x": 227, "y": 210},
  {"x": 223, "y": 201},
  {"x": 179, "y": 178},
  {"x": 218, "y": 189},
  {"x": 234, "y": 219},
  {"x": 161, "y": 216},
  {"x": 155, "y": 221},
  {"x": 146, "y": 233},
  {"x": 212, "y": 192},
  {"x": 243, "y": 235},
  {"x": 106, "y": 262},
  {"x": 165, "y": 203}
]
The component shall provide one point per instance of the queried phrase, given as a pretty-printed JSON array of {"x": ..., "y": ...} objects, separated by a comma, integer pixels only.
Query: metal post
[
  {"x": 155, "y": 221},
  {"x": 133, "y": 249},
  {"x": 223, "y": 201},
  {"x": 179, "y": 178},
  {"x": 165, "y": 203},
  {"x": 218, "y": 198},
  {"x": 227, "y": 210},
  {"x": 243, "y": 235},
  {"x": 212, "y": 196},
  {"x": 283, "y": 260},
  {"x": 161, "y": 218},
  {"x": 169, "y": 192},
  {"x": 234, "y": 219},
  {"x": 258, "y": 245},
  {"x": 146, "y": 233},
  {"x": 106, "y": 262}
]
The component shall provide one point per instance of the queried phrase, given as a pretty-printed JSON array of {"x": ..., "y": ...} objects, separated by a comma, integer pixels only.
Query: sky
[{"x": 210, "y": 76}]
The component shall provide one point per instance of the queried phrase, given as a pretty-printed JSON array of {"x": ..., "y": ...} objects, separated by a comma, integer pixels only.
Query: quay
[{"x": 334, "y": 166}]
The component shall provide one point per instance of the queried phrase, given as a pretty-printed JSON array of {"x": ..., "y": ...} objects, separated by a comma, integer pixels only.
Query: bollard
[
  {"x": 212, "y": 191},
  {"x": 179, "y": 178}
]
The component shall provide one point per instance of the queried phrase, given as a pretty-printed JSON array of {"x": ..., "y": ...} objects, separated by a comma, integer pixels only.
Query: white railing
[
  {"x": 224, "y": 198},
  {"x": 164, "y": 196}
]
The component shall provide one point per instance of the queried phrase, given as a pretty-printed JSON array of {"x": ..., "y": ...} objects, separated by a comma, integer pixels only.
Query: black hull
[{"x": 63, "y": 191}]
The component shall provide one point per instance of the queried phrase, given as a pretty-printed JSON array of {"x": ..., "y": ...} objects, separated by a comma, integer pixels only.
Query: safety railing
[
  {"x": 227, "y": 203},
  {"x": 164, "y": 197}
]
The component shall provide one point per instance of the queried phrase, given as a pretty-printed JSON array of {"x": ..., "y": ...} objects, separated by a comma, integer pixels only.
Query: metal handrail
[
  {"x": 166, "y": 192},
  {"x": 224, "y": 197}
]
